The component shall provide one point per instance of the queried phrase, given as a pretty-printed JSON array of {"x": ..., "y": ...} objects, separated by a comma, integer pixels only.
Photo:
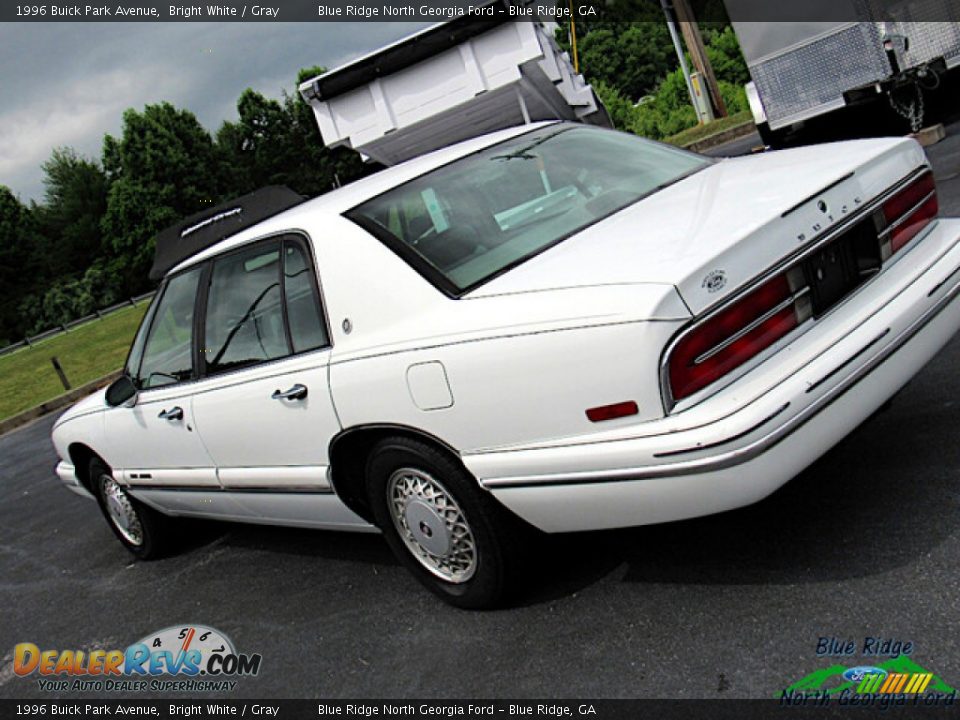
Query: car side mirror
[{"x": 122, "y": 392}]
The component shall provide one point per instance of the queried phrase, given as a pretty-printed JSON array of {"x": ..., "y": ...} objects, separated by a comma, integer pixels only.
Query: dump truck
[{"x": 450, "y": 82}]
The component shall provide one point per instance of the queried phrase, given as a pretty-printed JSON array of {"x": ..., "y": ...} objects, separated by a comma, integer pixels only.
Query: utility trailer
[
  {"x": 448, "y": 83},
  {"x": 895, "y": 53}
]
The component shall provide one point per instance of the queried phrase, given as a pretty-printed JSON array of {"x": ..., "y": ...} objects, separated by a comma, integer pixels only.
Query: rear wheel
[
  {"x": 139, "y": 528},
  {"x": 445, "y": 529}
]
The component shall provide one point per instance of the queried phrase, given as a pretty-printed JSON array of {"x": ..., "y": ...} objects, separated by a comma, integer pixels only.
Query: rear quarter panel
[
  {"x": 514, "y": 388},
  {"x": 520, "y": 367}
]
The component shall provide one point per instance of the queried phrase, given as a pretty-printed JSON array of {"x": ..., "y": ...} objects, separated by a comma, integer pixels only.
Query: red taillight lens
[
  {"x": 909, "y": 211},
  {"x": 732, "y": 337}
]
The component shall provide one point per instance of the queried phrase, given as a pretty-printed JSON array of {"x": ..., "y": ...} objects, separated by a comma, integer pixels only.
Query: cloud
[
  {"x": 76, "y": 113},
  {"x": 69, "y": 83}
]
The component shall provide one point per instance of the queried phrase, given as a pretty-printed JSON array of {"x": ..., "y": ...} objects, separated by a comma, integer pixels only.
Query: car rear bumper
[
  {"x": 68, "y": 476},
  {"x": 752, "y": 437}
]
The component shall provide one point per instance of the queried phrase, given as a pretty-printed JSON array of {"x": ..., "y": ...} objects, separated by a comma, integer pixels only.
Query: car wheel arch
[
  {"x": 350, "y": 449},
  {"x": 80, "y": 456}
]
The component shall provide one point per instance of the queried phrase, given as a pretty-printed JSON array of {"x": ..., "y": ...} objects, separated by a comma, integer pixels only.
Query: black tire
[
  {"x": 152, "y": 532},
  {"x": 497, "y": 536}
]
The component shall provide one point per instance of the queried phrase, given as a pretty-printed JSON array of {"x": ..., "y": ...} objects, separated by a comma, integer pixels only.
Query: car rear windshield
[{"x": 464, "y": 223}]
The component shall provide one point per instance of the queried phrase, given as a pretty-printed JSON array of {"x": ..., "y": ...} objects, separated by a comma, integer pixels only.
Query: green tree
[
  {"x": 620, "y": 109},
  {"x": 725, "y": 55},
  {"x": 69, "y": 219},
  {"x": 276, "y": 142},
  {"x": 18, "y": 260},
  {"x": 163, "y": 167},
  {"x": 632, "y": 57},
  {"x": 259, "y": 141},
  {"x": 670, "y": 110}
]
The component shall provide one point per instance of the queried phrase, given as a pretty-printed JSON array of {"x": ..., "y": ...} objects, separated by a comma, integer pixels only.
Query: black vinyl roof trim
[{"x": 193, "y": 234}]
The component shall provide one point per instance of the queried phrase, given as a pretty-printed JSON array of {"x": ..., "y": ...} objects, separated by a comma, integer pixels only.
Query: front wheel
[
  {"x": 445, "y": 529},
  {"x": 139, "y": 528}
]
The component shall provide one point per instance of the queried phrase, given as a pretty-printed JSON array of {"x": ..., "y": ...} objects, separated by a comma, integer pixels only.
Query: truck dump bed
[{"x": 451, "y": 82}]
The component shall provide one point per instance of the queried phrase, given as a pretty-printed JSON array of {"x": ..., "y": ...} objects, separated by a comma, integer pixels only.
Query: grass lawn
[
  {"x": 85, "y": 353},
  {"x": 699, "y": 132}
]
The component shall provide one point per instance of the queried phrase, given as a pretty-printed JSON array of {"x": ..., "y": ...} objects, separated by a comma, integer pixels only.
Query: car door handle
[
  {"x": 174, "y": 413},
  {"x": 297, "y": 392}
]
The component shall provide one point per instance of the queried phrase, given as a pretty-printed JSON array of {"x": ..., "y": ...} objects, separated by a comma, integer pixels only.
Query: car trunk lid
[{"x": 717, "y": 230}]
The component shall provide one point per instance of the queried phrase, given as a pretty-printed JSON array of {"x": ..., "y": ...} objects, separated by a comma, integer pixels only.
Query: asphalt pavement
[{"x": 866, "y": 542}]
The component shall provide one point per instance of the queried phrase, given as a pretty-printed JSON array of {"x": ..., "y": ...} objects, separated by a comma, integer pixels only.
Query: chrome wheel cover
[
  {"x": 432, "y": 525},
  {"x": 120, "y": 510}
]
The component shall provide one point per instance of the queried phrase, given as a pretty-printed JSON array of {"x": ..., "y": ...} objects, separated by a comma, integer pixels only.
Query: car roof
[{"x": 338, "y": 201}]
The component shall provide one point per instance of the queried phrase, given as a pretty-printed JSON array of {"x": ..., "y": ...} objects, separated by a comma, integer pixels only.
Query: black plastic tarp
[{"x": 207, "y": 227}]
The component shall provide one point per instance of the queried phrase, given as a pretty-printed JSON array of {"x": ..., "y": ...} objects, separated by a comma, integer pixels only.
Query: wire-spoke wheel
[
  {"x": 141, "y": 529},
  {"x": 451, "y": 534},
  {"x": 120, "y": 510},
  {"x": 432, "y": 525}
]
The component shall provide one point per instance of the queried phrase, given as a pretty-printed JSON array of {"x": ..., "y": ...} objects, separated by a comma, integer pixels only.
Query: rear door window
[
  {"x": 307, "y": 329},
  {"x": 244, "y": 321},
  {"x": 262, "y": 305}
]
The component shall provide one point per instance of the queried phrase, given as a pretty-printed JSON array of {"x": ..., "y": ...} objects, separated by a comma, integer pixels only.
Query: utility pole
[
  {"x": 572, "y": 37},
  {"x": 698, "y": 53},
  {"x": 672, "y": 26}
]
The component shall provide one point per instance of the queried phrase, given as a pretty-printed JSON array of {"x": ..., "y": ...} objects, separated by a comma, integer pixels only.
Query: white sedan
[{"x": 555, "y": 326}]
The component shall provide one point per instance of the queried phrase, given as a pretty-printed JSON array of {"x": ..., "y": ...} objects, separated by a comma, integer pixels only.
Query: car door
[
  {"x": 155, "y": 443},
  {"x": 264, "y": 409}
]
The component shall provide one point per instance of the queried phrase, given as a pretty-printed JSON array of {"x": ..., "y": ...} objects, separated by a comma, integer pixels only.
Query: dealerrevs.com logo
[{"x": 187, "y": 658}]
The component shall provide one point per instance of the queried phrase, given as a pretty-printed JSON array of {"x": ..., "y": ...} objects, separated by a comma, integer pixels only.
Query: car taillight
[
  {"x": 733, "y": 335},
  {"x": 907, "y": 213},
  {"x": 737, "y": 333}
]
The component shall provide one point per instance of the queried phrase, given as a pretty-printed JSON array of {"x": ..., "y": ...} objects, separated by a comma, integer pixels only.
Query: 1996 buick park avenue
[{"x": 553, "y": 327}]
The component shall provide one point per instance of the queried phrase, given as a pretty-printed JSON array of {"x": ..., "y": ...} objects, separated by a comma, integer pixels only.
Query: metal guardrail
[{"x": 96, "y": 315}]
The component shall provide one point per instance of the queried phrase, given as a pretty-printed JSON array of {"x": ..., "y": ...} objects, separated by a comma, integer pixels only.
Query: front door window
[{"x": 167, "y": 354}]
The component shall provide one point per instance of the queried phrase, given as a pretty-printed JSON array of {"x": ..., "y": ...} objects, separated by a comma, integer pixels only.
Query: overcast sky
[{"x": 68, "y": 84}]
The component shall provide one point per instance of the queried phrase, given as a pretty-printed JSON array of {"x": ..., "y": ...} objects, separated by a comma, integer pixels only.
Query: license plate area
[{"x": 835, "y": 270}]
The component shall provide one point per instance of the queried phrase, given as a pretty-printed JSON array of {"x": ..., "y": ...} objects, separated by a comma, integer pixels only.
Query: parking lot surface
[{"x": 865, "y": 543}]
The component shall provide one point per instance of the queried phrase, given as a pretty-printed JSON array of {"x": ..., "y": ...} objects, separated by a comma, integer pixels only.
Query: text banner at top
[{"x": 809, "y": 11}]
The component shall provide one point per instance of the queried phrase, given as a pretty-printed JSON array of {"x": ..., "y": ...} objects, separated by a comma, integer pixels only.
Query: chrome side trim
[
  {"x": 747, "y": 452},
  {"x": 257, "y": 489},
  {"x": 295, "y": 477},
  {"x": 849, "y": 360},
  {"x": 169, "y": 477},
  {"x": 669, "y": 404},
  {"x": 725, "y": 441}
]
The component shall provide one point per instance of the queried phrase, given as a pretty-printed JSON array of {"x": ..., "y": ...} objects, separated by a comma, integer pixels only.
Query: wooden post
[
  {"x": 698, "y": 53},
  {"x": 60, "y": 373}
]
